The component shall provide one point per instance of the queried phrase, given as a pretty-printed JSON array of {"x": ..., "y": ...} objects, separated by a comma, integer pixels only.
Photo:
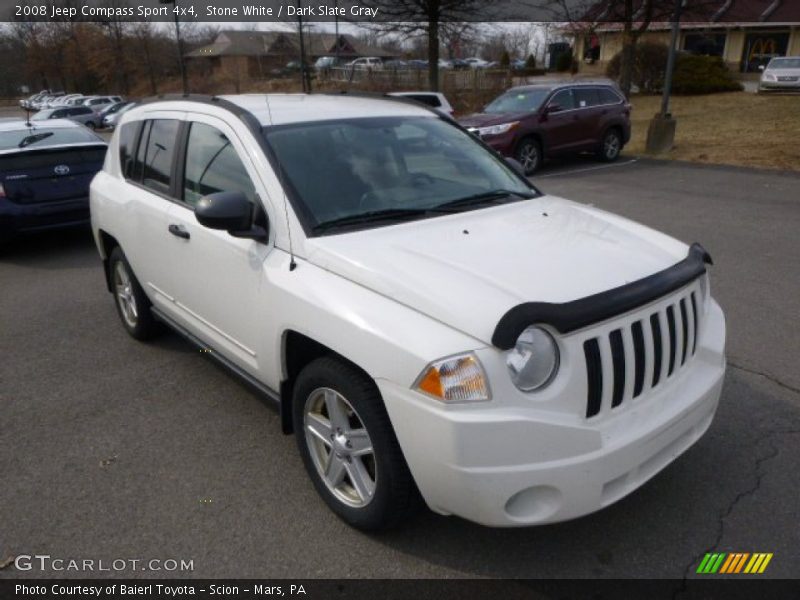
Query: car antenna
[{"x": 292, "y": 263}]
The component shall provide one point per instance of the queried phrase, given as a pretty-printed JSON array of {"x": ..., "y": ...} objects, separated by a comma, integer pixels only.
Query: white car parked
[
  {"x": 435, "y": 100},
  {"x": 428, "y": 322}
]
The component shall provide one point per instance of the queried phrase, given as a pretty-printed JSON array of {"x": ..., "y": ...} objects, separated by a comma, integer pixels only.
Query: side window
[
  {"x": 428, "y": 99},
  {"x": 137, "y": 167},
  {"x": 608, "y": 96},
  {"x": 212, "y": 165},
  {"x": 586, "y": 97},
  {"x": 127, "y": 139},
  {"x": 564, "y": 99}
]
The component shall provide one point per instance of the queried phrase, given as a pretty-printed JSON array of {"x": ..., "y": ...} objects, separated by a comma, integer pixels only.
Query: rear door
[
  {"x": 146, "y": 199},
  {"x": 589, "y": 110},
  {"x": 561, "y": 129}
]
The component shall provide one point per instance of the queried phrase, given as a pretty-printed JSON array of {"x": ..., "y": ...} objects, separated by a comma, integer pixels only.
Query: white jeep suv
[{"x": 428, "y": 322}]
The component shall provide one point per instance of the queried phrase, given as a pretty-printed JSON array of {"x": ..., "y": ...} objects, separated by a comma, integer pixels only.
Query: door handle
[{"x": 179, "y": 231}]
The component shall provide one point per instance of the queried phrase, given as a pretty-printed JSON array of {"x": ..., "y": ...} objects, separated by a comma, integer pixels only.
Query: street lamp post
[
  {"x": 181, "y": 63},
  {"x": 661, "y": 132}
]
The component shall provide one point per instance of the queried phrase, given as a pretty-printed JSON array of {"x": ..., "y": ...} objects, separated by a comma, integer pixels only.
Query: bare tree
[
  {"x": 411, "y": 18},
  {"x": 634, "y": 17}
]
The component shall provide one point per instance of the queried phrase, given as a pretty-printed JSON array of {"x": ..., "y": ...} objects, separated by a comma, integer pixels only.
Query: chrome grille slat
[{"x": 630, "y": 358}]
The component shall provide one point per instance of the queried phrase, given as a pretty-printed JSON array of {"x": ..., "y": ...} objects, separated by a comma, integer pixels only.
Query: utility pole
[
  {"x": 661, "y": 132},
  {"x": 306, "y": 80},
  {"x": 181, "y": 63}
]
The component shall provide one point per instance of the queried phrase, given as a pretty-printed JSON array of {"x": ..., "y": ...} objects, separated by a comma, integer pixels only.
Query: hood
[
  {"x": 486, "y": 119},
  {"x": 467, "y": 270}
]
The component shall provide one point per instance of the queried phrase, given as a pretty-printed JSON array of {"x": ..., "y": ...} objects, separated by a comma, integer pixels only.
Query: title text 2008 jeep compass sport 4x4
[{"x": 429, "y": 322}]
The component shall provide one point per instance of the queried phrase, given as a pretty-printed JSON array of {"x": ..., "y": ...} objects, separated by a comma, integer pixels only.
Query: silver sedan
[{"x": 781, "y": 73}]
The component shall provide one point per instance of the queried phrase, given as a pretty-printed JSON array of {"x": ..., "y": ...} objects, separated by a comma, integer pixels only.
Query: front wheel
[
  {"x": 349, "y": 448},
  {"x": 91, "y": 125},
  {"x": 611, "y": 146},
  {"x": 529, "y": 155}
]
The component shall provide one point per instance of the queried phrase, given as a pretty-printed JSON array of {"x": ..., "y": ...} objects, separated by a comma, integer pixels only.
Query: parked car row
[
  {"x": 104, "y": 118},
  {"x": 375, "y": 63},
  {"x": 45, "y": 100}
]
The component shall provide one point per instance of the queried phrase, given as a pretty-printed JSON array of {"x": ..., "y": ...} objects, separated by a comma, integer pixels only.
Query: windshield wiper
[
  {"x": 33, "y": 139},
  {"x": 483, "y": 198},
  {"x": 388, "y": 214}
]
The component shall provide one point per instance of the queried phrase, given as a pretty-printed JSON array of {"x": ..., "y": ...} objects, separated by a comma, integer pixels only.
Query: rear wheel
[
  {"x": 91, "y": 125},
  {"x": 529, "y": 155},
  {"x": 610, "y": 146},
  {"x": 349, "y": 448},
  {"x": 133, "y": 306}
]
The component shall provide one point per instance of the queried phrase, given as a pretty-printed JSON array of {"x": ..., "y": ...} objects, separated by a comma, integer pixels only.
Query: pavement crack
[
  {"x": 772, "y": 451},
  {"x": 767, "y": 376}
]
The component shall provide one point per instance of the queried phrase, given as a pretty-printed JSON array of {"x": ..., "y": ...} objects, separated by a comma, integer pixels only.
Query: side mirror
[
  {"x": 552, "y": 108},
  {"x": 761, "y": 67},
  {"x": 516, "y": 165},
  {"x": 231, "y": 212}
]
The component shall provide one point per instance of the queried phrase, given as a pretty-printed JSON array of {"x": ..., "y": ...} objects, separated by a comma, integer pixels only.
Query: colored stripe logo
[{"x": 734, "y": 562}]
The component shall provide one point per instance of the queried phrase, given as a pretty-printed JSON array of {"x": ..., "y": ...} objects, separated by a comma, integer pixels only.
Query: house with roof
[
  {"x": 255, "y": 54},
  {"x": 745, "y": 33}
]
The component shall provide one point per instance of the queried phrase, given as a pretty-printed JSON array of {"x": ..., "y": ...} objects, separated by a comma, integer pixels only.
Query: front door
[{"x": 219, "y": 279}]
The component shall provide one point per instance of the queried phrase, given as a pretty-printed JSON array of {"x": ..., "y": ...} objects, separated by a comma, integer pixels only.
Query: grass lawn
[{"x": 736, "y": 128}]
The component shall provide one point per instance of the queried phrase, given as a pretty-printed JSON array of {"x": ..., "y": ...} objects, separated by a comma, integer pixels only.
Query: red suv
[{"x": 534, "y": 122}]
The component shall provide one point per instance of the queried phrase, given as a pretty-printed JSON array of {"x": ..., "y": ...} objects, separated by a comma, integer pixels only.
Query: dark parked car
[
  {"x": 45, "y": 172},
  {"x": 534, "y": 122}
]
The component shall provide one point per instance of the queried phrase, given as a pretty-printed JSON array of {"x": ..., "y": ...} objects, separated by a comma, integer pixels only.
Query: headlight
[
  {"x": 768, "y": 77},
  {"x": 454, "y": 379},
  {"x": 533, "y": 361},
  {"x": 497, "y": 129}
]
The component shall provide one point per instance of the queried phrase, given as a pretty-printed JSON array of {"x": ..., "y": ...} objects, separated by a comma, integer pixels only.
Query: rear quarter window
[
  {"x": 428, "y": 99},
  {"x": 609, "y": 96},
  {"x": 127, "y": 142}
]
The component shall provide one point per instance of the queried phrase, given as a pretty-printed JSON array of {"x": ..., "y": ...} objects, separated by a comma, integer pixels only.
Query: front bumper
[
  {"x": 30, "y": 218},
  {"x": 512, "y": 467},
  {"x": 779, "y": 85}
]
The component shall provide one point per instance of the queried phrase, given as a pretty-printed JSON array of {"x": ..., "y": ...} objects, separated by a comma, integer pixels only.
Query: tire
[
  {"x": 91, "y": 125},
  {"x": 133, "y": 306},
  {"x": 610, "y": 146},
  {"x": 529, "y": 154},
  {"x": 368, "y": 484}
]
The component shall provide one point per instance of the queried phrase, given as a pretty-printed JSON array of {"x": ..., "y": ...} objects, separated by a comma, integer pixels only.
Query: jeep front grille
[{"x": 641, "y": 354}]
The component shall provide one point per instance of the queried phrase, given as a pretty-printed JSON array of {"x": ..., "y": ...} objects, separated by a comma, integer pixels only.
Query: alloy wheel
[
  {"x": 340, "y": 447},
  {"x": 124, "y": 292}
]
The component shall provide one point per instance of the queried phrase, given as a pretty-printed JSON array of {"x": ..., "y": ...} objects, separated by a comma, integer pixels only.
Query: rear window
[
  {"x": 42, "y": 137},
  {"x": 609, "y": 96},
  {"x": 428, "y": 99}
]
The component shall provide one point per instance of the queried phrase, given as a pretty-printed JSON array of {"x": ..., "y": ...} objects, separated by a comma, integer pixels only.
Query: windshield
[
  {"x": 398, "y": 166},
  {"x": 40, "y": 137},
  {"x": 517, "y": 101},
  {"x": 784, "y": 63}
]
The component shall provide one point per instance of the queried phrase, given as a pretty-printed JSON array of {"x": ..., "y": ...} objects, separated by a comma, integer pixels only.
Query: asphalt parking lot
[{"x": 110, "y": 448}]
